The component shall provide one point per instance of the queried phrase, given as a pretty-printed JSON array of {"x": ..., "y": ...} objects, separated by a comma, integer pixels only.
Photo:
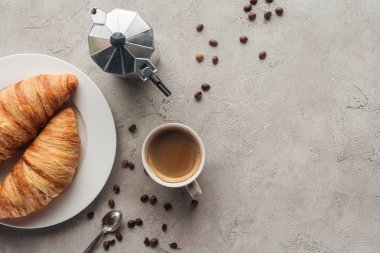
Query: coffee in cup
[{"x": 173, "y": 154}]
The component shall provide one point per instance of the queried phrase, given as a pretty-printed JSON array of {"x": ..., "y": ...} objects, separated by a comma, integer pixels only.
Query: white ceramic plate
[{"x": 96, "y": 129}]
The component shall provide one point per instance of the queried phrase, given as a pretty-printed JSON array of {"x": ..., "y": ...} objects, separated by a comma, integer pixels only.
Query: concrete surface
[{"x": 292, "y": 142}]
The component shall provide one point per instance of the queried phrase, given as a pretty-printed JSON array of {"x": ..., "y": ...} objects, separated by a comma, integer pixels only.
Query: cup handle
[{"x": 194, "y": 189}]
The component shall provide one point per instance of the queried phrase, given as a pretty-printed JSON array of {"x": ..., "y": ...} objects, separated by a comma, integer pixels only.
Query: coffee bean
[
  {"x": 262, "y": 55},
  {"x": 119, "y": 236},
  {"x": 90, "y": 215},
  {"x": 116, "y": 189},
  {"x": 112, "y": 242},
  {"x": 205, "y": 87},
  {"x": 153, "y": 200},
  {"x": 144, "y": 198},
  {"x": 106, "y": 245},
  {"x": 111, "y": 203},
  {"x": 194, "y": 203},
  {"x": 213, "y": 43},
  {"x": 164, "y": 227},
  {"x": 124, "y": 163},
  {"x": 200, "y": 27},
  {"x": 132, "y": 128},
  {"x": 146, "y": 241},
  {"x": 131, "y": 224},
  {"x": 139, "y": 222},
  {"x": 153, "y": 242},
  {"x": 168, "y": 206},
  {"x": 252, "y": 16},
  {"x": 173, "y": 245},
  {"x": 253, "y": 2},
  {"x": 199, "y": 57},
  {"x": 247, "y": 7},
  {"x": 243, "y": 39},
  {"x": 279, "y": 11},
  {"x": 198, "y": 95},
  {"x": 131, "y": 165},
  {"x": 269, "y": 1},
  {"x": 215, "y": 60},
  {"x": 267, "y": 15}
]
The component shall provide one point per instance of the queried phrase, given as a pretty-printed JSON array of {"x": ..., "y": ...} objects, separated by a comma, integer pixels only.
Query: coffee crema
[{"x": 173, "y": 154}]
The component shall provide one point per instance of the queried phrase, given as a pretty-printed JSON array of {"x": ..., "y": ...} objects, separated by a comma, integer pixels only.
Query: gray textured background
[{"x": 292, "y": 142}]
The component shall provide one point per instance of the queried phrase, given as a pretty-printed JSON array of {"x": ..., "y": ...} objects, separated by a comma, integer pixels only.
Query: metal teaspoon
[{"x": 111, "y": 221}]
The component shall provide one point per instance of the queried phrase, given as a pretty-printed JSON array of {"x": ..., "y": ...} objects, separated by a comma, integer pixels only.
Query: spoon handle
[{"x": 94, "y": 242}]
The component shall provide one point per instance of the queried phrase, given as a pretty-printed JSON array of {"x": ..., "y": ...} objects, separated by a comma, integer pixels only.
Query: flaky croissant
[
  {"x": 45, "y": 170},
  {"x": 26, "y": 106}
]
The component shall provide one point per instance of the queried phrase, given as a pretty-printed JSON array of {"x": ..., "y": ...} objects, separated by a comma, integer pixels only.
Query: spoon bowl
[{"x": 111, "y": 221}]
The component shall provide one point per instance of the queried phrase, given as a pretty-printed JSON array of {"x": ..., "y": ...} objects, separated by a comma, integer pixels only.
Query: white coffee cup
[{"x": 191, "y": 183}]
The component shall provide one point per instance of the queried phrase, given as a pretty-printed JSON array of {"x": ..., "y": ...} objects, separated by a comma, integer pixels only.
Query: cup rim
[{"x": 153, "y": 176}]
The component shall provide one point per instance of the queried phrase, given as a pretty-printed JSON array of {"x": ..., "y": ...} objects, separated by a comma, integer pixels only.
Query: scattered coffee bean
[
  {"x": 215, "y": 60},
  {"x": 153, "y": 242},
  {"x": 131, "y": 224},
  {"x": 146, "y": 241},
  {"x": 205, "y": 87},
  {"x": 200, "y": 27},
  {"x": 269, "y": 1},
  {"x": 243, "y": 39},
  {"x": 153, "y": 200},
  {"x": 90, "y": 215},
  {"x": 131, "y": 165},
  {"x": 119, "y": 236},
  {"x": 139, "y": 222},
  {"x": 267, "y": 15},
  {"x": 213, "y": 43},
  {"x": 144, "y": 198},
  {"x": 252, "y": 16},
  {"x": 198, "y": 95},
  {"x": 194, "y": 203},
  {"x": 173, "y": 245},
  {"x": 199, "y": 57},
  {"x": 132, "y": 128},
  {"x": 262, "y": 55},
  {"x": 111, "y": 203},
  {"x": 253, "y": 2},
  {"x": 168, "y": 206},
  {"x": 124, "y": 164},
  {"x": 247, "y": 7},
  {"x": 106, "y": 245},
  {"x": 279, "y": 11},
  {"x": 164, "y": 227},
  {"x": 116, "y": 189},
  {"x": 112, "y": 242}
]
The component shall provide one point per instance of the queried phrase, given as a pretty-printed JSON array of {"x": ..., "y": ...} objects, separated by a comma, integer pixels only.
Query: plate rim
[{"x": 114, "y": 140}]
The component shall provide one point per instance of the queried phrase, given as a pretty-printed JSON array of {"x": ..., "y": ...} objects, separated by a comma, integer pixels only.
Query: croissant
[
  {"x": 26, "y": 106},
  {"x": 45, "y": 170}
]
